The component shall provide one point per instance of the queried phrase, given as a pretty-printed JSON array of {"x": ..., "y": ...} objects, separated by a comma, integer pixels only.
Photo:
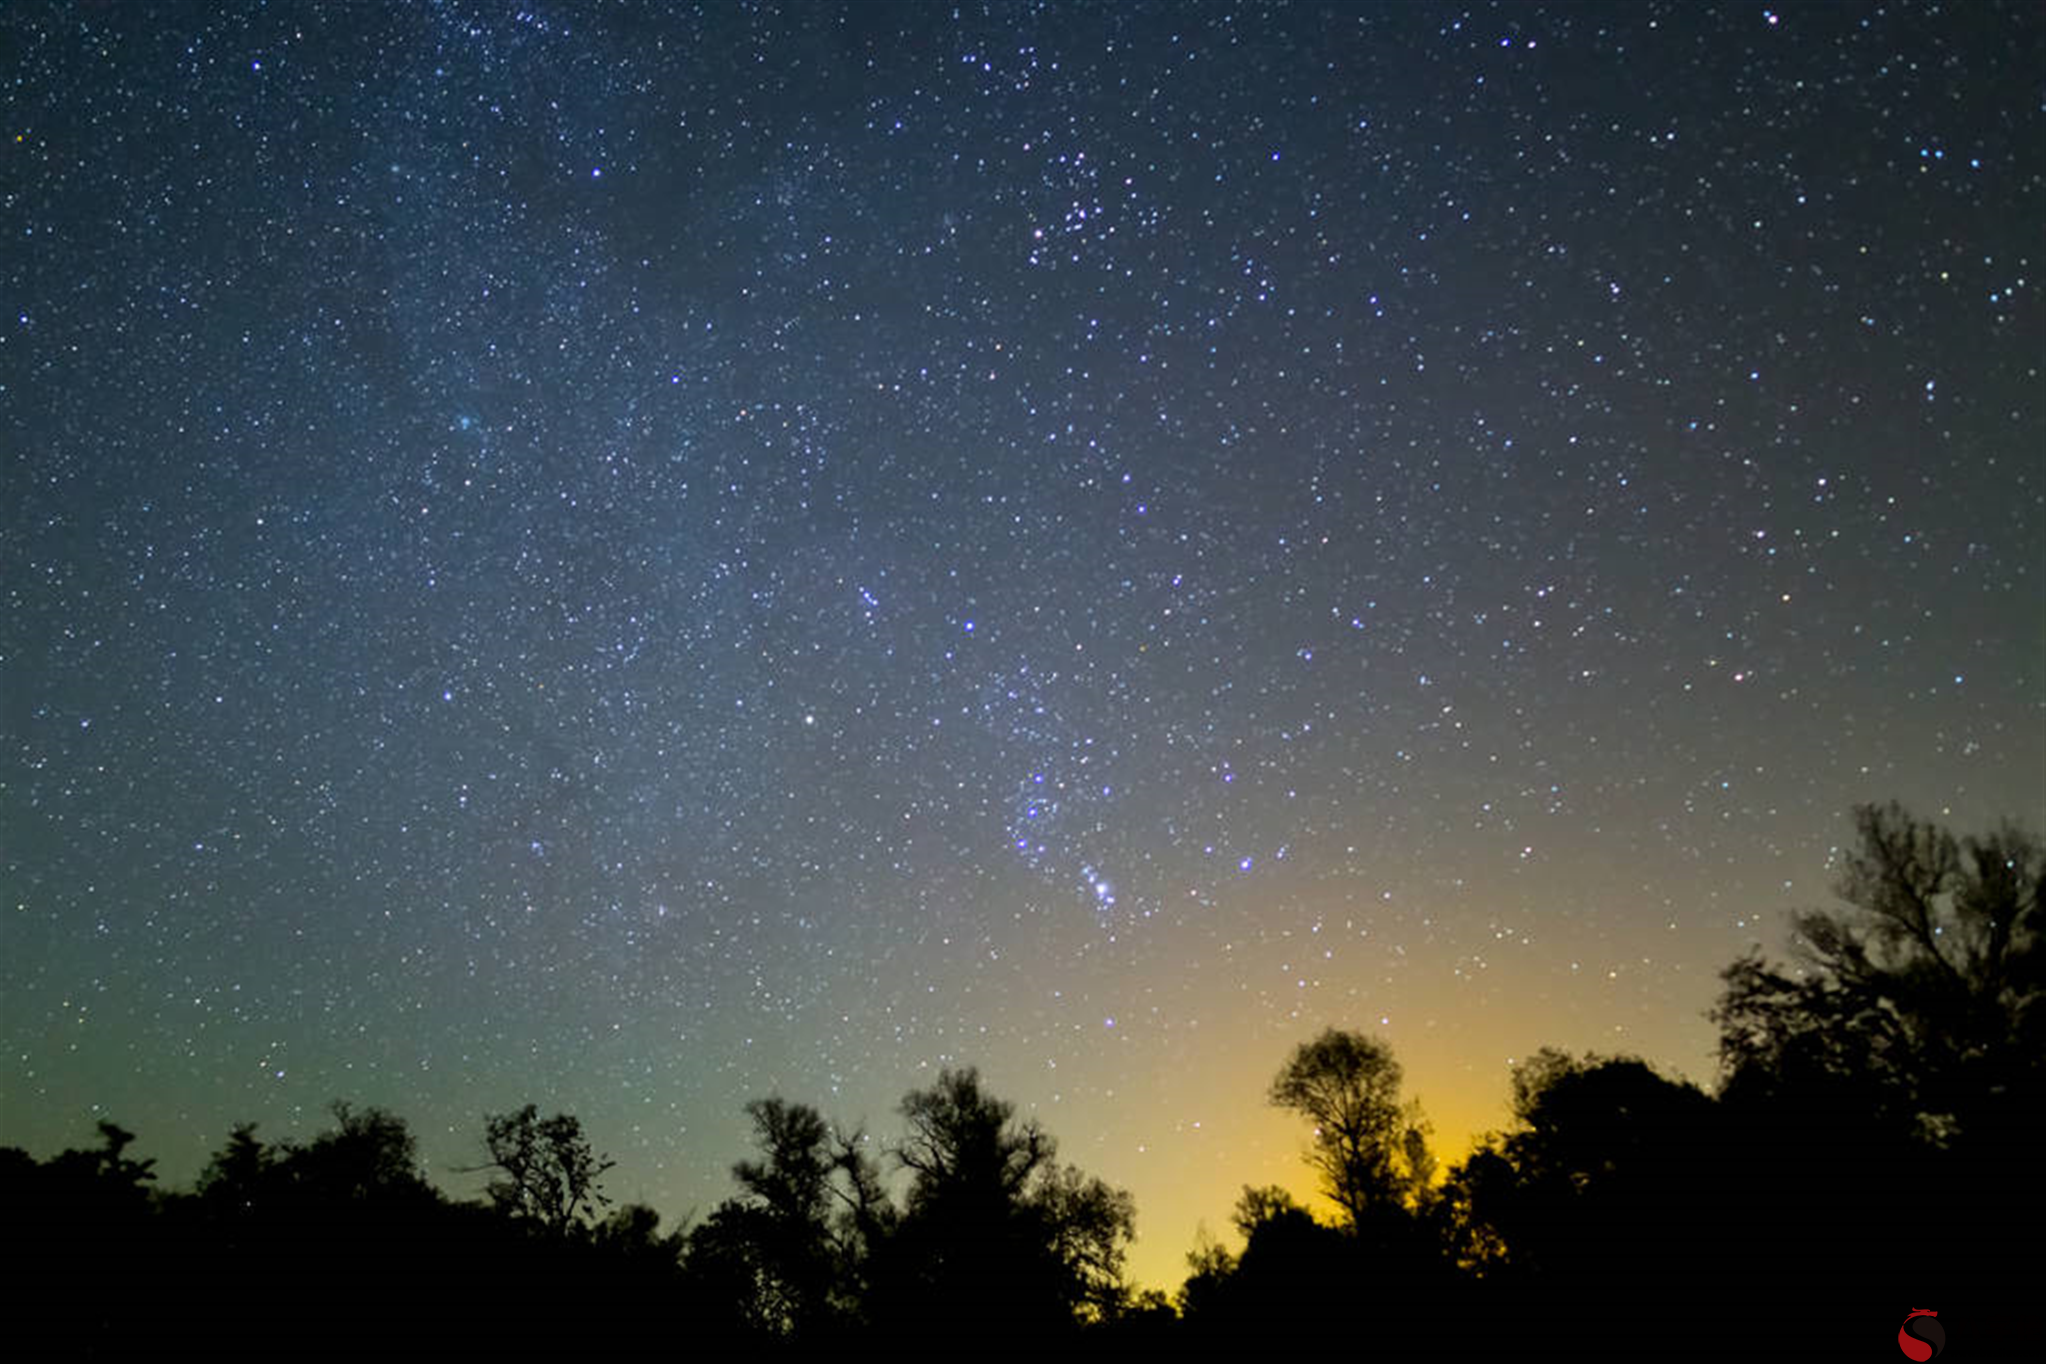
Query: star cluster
[{"x": 634, "y": 557}]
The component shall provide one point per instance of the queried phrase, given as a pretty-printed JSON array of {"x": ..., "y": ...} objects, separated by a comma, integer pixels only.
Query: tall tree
[
  {"x": 1901, "y": 1054},
  {"x": 1920, "y": 998},
  {"x": 962, "y": 1147},
  {"x": 787, "y": 1259},
  {"x": 1087, "y": 1225},
  {"x": 1369, "y": 1151},
  {"x": 1611, "y": 1170},
  {"x": 786, "y": 1216},
  {"x": 547, "y": 1171},
  {"x": 993, "y": 1227}
]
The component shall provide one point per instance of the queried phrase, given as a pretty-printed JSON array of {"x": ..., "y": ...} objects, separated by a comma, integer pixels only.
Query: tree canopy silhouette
[
  {"x": 368, "y": 1156},
  {"x": 1612, "y": 1164},
  {"x": 547, "y": 1171},
  {"x": 1901, "y": 1049},
  {"x": 773, "y": 1258},
  {"x": 1920, "y": 1000},
  {"x": 1369, "y": 1151},
  {"x": 1872, "y": 1140},
  {"x": 992, "y": 1223}
]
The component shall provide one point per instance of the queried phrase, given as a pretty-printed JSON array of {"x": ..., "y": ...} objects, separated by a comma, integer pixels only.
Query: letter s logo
[{"x": 1921, "y": 1337}]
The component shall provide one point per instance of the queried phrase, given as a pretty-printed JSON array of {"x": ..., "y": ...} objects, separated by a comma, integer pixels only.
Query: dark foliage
[
  {"x": 1369, "y": 1151},
  {"x": 783, "y": 1260},
  {"x": 1887, "y": 1083},
  {"x": 992, "y": 1227},
  {"x": 85, "y": 1240},
  {"x": 1616, "y": 1183},
  {"x": 1869, "y": 1148},
  {"x": 547, "y": 1172},
  {"x": 1919, "y": 1004}
]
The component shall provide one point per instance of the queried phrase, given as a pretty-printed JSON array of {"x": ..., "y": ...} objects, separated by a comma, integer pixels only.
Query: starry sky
[{"x": 634, "y": 557}]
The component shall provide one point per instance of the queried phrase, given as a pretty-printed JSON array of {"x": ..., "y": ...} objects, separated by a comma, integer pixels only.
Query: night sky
[{"x": 635, "y": 558}]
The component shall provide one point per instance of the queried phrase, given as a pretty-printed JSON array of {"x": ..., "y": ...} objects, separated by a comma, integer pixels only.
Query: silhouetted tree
[
  {"x": 632, "y": 1235},
  {"x": 1919, "y": 1004},
  {"x": 1088, "y": 1225},
  {"x": 791, "y": 1181},
  {"x": 91, "y": 1185},
  {"x": 779, "y": 1234},
  {"x": 1261, "y": 1204},
  {"x": 993, "y": 1228},
  {"x": 84, "y": 1236},
  {"x": 1146, "y": 1323},
  {"x": 868, "y": 1214},
  {"x": 547, "y": 1171},
  {"x": 962, "y": 1146},
  {"x": 739, "y": 1295},
  {"x": 114, "y": 1166},
  {"x": 633, "y": 1280},
  {"x": 1616, "y": 1185},
  {"x": 1210, "y": 1267},
  {"x": 787, "y": 1259},
  {"x": 1368, "y": 1150},
  {"x": 1291, "y": 1271},
  {"x": 234, "y": 1183},
  {"x": 1611, "y": 1174},
  {"x": 964, "y": 1244},
  {"x": 369, "y": 1155},
  {"x": 1892, "y": 1071},
  {"x": 1473, "y": 1189}
]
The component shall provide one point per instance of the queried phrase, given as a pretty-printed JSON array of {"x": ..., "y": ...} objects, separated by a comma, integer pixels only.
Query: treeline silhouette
[{"x": 1872, "y": 1148}]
